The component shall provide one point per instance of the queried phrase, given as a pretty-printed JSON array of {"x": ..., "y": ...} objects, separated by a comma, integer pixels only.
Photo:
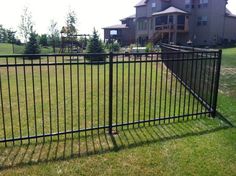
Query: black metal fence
[
  {"x": 54, "y": 96},
  {"x": 202, "y": 73}
]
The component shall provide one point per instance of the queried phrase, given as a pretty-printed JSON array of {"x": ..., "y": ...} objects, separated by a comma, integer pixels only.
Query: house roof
[
  {"x": 118, "y": 26},
  {"x": 144, "y": 2},
  {"x": 170, "y": 10},
  {"x": 141, "y": 3},
  {"x": 129, "y": 17},
  {"x": 229, "y": 13}
]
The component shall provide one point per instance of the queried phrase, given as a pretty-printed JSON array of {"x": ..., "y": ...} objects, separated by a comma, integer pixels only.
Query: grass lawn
[
  {"x": 6, "y": 48},
  {"x": 202, "y": 146}
]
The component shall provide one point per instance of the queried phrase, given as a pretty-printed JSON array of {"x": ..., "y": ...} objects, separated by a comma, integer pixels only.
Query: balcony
[
  {"x": 171, "y": 20},
  {"x": 172, "y": 28}
]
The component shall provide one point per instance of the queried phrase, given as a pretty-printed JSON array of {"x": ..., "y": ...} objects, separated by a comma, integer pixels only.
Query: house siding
[
  {"x": 229, "y": 30},
  {"x": 141, "y": 11}
]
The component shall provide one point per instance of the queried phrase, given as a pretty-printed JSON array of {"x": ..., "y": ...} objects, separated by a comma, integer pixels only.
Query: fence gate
[{"x": 51, "y": 96}]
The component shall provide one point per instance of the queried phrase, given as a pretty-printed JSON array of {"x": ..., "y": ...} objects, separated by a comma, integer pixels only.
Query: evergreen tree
[
  {"x": 43, "y": 40},
  {"x": 32, "y": 47},
  {"x": 7, "y": 35},
  {"x": 95, "y": 45}
]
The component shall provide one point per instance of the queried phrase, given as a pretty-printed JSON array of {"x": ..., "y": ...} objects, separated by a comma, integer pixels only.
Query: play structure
[{"x": 72, "y": 42}]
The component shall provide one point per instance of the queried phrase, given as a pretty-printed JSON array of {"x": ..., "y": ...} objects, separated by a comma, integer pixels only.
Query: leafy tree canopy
[{"x": 71, "y": 22}]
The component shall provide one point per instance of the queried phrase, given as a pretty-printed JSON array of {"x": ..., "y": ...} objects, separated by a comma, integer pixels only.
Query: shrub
[
  {"x": 114, "y": 47},
  {"x": 149, "y": 47}
]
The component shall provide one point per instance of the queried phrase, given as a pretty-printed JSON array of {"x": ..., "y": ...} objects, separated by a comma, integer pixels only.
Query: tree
[
  {"x": 26, "y": 25},
  {"x": 18, "y": 42},
  {"x": 95, "y": 45},
  {"x": 71, "y": 22},
  {"x": 54, "y": 39},
  {"x": 7, "y": 35},
  {"x": 32, "y": 46},
  {"x": 11, "y": 36},
  {"x": 2, "y": 34},
  {"x": 43, "y": 40}
]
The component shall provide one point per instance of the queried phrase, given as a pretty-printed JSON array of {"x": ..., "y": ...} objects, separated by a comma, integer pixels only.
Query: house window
[
  {"x": 162, "y": 20},
  {"x": 153, "y": 7},
  {"x": 113, "y": 32},
  {"x": 180, "y": 22},
  {"x": 181, "y": 19},
  {"x": 202, "y": 21},
  {"x": 187, "y": 4},
  {"x": 151, "y": 23},
  {"x": 203, "y": 3},
  {"x": 171, "y": 19},
  {"x": 145, "y": 25},
  {"x": 142, "y": 25}
]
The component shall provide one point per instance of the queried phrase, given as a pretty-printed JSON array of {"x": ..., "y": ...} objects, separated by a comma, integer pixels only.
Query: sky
[{"x": 90, "y": 13}]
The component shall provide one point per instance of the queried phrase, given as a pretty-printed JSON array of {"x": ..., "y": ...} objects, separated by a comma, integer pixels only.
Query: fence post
[
  {"x": 217, "y": 80},
  {"x": 110, "y": 91}
]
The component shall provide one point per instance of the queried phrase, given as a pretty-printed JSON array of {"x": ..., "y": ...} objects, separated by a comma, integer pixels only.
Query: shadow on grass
[
  {"x": 98, "y": 142},
  {"x": 224, "y": 119}
]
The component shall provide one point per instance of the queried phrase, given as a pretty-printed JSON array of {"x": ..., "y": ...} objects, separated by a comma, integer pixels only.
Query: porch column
[{"x": 175, "y": 28}]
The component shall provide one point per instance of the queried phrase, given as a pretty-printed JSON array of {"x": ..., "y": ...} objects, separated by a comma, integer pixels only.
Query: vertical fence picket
[{"x": 110, "y": 91}]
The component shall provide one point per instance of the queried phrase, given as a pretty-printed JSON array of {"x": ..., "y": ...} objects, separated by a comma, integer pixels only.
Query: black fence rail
[{"x": 48, "y": 97}]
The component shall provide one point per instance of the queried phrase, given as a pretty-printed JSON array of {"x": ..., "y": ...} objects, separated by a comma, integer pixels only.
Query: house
[
  {"x": 202, "y": 22},
  {"x": 199, "y": 22},
  {"x": 124, "y": 33}
]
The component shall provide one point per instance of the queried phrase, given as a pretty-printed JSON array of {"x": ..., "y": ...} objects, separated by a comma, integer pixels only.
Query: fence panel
[
  {"x": 48, "y": 97},
  {"x": 205, "y": 65}
]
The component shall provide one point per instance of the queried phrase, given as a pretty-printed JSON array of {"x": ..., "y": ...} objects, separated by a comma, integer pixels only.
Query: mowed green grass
[
  {"x": 6, "y": 48},
  {"x": 228, "y": 72},
  {"x": 202, "y": 146},
  {"x": 227, "y": 92},
  {"x": 229, "y": 57}
]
